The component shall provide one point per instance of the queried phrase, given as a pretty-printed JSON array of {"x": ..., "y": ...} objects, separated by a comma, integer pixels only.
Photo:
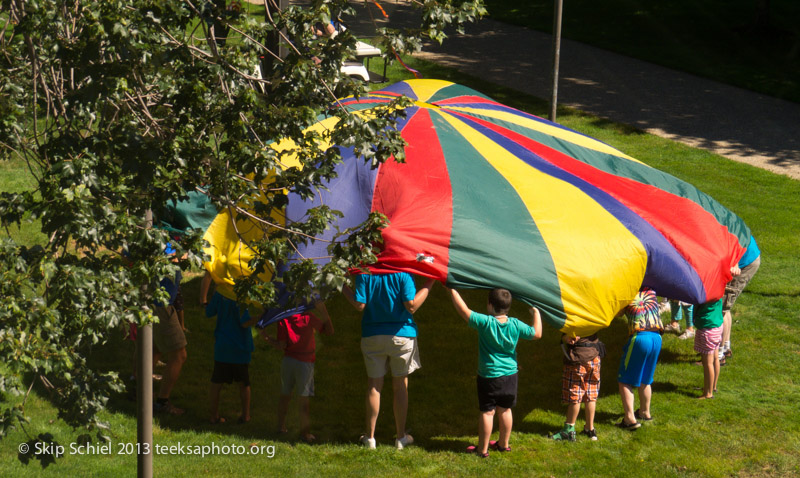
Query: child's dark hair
[{"x": 500, "y": 300}]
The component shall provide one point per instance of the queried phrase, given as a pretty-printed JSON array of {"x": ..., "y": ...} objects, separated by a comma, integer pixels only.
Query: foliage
[
  {"x": 118, "y": 107},
  {"x": 733, "y": 435}
]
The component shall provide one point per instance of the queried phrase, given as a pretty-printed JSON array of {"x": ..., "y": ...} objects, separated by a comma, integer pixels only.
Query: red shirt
[{"x": 298, "y": 333}]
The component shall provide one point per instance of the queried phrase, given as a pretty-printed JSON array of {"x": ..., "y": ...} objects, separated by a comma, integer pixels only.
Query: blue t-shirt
[
  {"x": 384, "y": 295},
  {"x": 232, "y": 342},
  {"x": 497, "y": 344},
  {"x": 171, "y": 286},
  {"x": 750, "y": 254}
]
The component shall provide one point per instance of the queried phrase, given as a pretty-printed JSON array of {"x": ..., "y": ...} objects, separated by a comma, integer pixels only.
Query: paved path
[{"x": 735, "y": 123}]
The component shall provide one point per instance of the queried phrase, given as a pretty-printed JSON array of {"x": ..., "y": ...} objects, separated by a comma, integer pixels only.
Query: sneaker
[
  {"x": 673, "y": 327},
  {"x": 564, "y": 435},
  {"x": 401, "y": 443},
  {"x": 663, "y": 307},
  {"x": 592, "y": 434},
  {"x": 367, "y": 442},
  {"x": 687, "y": 334}
]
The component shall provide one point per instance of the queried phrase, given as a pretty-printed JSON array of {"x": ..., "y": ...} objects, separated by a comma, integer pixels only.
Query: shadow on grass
[
  {"x": 672, "y": 356},
  {"x": 449, "y": 444},
  {"x": 442, "y": 394}
]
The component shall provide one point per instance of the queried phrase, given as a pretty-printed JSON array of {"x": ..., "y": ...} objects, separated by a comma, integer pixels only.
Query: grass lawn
[
  {"x": 717, "y": 39},
  {"x": 750, "y": 429}
]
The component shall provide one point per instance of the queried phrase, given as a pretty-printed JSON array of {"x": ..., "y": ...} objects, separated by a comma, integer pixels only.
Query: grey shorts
[
  {"x": 295, "y": 373},
  {"x": 385, "y": 352},
  {"x": 738, "y": 283},
  {"x": 168, "y": 334}
]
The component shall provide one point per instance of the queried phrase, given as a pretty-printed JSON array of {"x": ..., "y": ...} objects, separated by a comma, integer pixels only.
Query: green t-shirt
[
  {"x": 497, "y": 344},
  {"x": 708, "y": 315}
]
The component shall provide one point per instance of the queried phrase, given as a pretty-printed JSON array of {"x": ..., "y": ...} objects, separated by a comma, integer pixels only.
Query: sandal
[
  {"x": 168, "y": 408},
  {"x": 628, "y": 426},
  {"x": 638, "y": 415},
  {"x": 495, "y": 445},
  {"x": 474, "y": 449},
  {"x": 217, "y": 421}
]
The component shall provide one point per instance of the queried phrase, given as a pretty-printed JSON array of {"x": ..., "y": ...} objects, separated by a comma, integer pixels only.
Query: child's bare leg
[
  {"x": 727, "y": 323},
  {"x": 505, "y": 421},
  {"x": 573, "y": 410},
  {"x": 645, "y": 393},
  {"x": 305, "y": 416},
  {"x": 374, "y": 386},
  {"x": 175, "y": 361},
  {"x": 244, "y": 394},
  {"x": 485, "y": 430},
  {"x": 283, "y": 409},
  {"x": 214, "y": 402},
  {"x": 588, "y": 413},
  {"x": 716, "y": 370},
  {"x": 626, "y": 394},
  {"x": 708, "y": 374}
]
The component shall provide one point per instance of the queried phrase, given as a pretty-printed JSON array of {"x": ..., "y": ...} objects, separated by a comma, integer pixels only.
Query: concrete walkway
[{"x": 735, "y": 123}]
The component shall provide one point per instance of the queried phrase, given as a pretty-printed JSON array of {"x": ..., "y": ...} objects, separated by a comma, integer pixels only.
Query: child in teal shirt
[
  {"x": 708, "y": 320},
  {"x": 498, "y": 335}
]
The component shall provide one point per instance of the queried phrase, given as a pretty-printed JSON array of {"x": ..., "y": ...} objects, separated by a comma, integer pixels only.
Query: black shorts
[
  {"x": 230, "y": 372},
  {"x": 497, "y": 392}
]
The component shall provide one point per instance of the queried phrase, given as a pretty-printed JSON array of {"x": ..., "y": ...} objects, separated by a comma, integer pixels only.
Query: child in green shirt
[
  {"x": 708, "y": 320},
  {"x": 498, "y": 335}
]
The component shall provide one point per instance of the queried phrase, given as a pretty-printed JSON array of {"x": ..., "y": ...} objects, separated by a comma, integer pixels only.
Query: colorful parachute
[{"x": 490, "y": 196}]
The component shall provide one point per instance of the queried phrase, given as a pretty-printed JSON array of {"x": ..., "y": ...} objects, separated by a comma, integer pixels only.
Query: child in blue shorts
[
  {"x": 498, "y": 335},
  {"x": 639, "y": 356}
]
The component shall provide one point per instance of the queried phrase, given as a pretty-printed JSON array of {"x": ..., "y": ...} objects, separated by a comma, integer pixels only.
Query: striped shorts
[{"x": 707, "y": 340}]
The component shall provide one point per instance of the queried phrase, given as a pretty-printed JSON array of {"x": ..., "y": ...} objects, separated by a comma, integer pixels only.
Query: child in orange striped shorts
[{"x": 580, "y": 383}]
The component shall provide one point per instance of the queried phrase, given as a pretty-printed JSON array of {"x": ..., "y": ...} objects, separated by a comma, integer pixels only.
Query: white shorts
[{"x": 382, "y": 352}]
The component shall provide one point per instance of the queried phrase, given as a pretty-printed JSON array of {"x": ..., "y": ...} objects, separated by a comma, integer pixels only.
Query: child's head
[{"x": 500, "y": 300}]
